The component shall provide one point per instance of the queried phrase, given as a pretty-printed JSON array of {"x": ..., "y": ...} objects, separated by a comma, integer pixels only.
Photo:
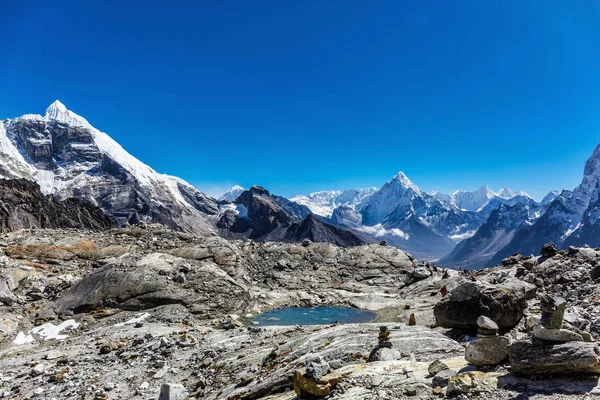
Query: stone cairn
[
  {"x": 489, "y": 348},
  {"x": 556, "y": 348},
  {"x": 315, "y": 380},
  {"x": 383, "y": 351},
  {"x": 551, "y": 323},
  {"x": 384, "y": 337}
]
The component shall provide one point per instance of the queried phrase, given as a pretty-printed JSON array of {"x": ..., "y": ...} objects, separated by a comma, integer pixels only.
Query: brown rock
[{"x": 320, "y": 388}]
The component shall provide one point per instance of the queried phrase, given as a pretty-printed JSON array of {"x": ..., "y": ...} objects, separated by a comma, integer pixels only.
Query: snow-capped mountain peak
[
  {"x": 58, "y": 111},
  {"x": 232, "y": 193},
  {"x": 68, "y": 157},
  {"x": 324, "y": 202},
  {"x": 405, "y": 182},
  {"x": 507, "y": 194}
]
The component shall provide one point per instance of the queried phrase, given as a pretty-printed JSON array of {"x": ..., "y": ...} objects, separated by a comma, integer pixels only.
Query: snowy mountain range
[
  {"x": 429, "y": 225},
  {"x": 69, "y": 158}
]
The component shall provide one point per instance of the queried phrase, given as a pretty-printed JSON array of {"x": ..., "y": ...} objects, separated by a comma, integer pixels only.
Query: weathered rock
[
  {"x": 487, "y": 351},
  {"x": 172, "y": 391},
  {"x": 549, "y": 250},
  {"x": 553, "y": 358},
  {"x": 556, "y": 335},
  {"x": 514, "y": 259},
  {"x": 486, "y": 323},
  {"x": 442, "y": 377},
  {"x": 320, "y": 388},
  {"x": 472, "y": 382},
  {"x": 384, "y": 354},
  {"x": 436, "y": 367},
  {"x": 468, "y": 301},
  {"x": 553, "y": 310},
  {"x": 317, "y": 368}
]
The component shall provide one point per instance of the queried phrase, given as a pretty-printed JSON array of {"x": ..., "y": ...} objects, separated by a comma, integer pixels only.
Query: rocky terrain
[
  {"x": 145, "y": 311},
  {"x": 24, "y": 206}
]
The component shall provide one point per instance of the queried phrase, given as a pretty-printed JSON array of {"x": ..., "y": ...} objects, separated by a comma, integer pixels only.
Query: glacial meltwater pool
[{"x": 314, "y": 316}]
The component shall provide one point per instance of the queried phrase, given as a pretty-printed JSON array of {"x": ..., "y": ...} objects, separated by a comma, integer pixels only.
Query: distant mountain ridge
[
  {"x": 429, "y": 225},
  {"x": 70, "y": 159}
]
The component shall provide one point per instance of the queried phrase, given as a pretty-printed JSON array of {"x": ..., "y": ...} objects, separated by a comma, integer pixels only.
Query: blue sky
[{"x": 311, "y": 95}]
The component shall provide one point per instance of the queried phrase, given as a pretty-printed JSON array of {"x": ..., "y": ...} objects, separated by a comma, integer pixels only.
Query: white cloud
[{"x": 379, "y": 231}]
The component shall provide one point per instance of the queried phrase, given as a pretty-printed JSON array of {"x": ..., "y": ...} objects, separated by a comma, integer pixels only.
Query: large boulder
[
  {"x": 487, "y": 351},
  {"x": 503, "y": 303},
  {"x": 554, "y": 358}
]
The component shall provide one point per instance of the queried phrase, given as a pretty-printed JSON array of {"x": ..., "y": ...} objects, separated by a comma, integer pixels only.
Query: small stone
[
  {"x": 486, "y": 323},
  {"x": 442, "y": 377},
  {"x": 316, "y": 369},
  {"x": 38, "y": 391},
  {"x": 436, "y": 367},
  {"x": 412, "y": 320},
  {"x": 52, "y": 355},
  {"x": 556, "y": 335},
  {"x": 179, "y": 278},
  {"x": 172, "y": 391},
  {"x": 410, "y": 391},
  {"x": 553, "y": 311},
  {"x": 144, "y": 385},
  {"x": 37, "y": 370},
  {"x": 304, "y": 387}
]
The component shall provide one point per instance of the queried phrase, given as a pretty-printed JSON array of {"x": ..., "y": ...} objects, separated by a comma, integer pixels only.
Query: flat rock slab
[{"x": 554, "y": 358}]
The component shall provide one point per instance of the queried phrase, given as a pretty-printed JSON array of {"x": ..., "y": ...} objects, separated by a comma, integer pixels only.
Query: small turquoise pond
[{"x": 314, "y": 316}]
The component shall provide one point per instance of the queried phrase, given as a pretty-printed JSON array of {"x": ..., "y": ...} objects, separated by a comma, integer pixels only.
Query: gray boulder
[
  {"x": 384, "y": 354},
  {"x": 503, "y": 303},
  {"x": 487, "y": 351},
  {"x": 554, "y": 358}
]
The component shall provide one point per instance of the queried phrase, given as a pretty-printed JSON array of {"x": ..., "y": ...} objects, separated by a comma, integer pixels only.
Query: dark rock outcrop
[
  {"x": 23, "y": 206},
  {"x": 503, "y": 303},
  {"x": 261, "y": 216}
]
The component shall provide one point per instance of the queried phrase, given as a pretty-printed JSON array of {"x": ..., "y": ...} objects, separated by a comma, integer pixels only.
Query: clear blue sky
[{"x": 300, "y": 96}]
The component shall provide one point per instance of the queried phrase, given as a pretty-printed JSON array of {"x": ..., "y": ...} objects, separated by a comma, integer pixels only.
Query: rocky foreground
[{"x": 146, "y": 312}]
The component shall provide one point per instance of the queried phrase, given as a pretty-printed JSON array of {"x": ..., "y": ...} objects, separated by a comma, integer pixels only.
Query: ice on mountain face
[
  {"x": 325, "y": 202},
  {"x": 232, "y": 193},
  {"x": 46, "y": 181}
]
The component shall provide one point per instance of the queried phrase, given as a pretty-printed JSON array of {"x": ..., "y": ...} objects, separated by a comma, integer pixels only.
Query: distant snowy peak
[
  {"x": 323, "y": 203},
  {"x": 550, "y": 197},
  {"x": 232, "y": 193},
  {"x": 478, "y": 199}
]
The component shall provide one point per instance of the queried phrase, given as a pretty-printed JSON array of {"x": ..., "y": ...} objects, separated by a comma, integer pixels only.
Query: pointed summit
[
  {"x": 405, "y": 182},
  {"x": 57, "y": 111}
]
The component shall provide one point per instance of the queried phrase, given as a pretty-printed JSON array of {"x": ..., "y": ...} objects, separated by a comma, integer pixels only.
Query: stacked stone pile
[
  {"x": 489, "y": 348},
  {"x": 554, "y": 349}
]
